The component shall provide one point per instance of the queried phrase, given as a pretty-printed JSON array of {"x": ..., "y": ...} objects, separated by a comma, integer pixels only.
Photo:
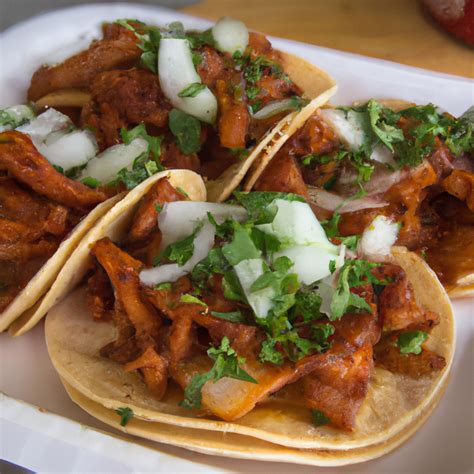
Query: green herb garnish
[
  {"x": 410, "y": 342},
  {"x": 226, "y": 364}
]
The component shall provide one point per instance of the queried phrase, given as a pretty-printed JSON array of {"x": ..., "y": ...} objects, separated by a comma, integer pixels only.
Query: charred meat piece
[
  {"x": 22, "y": 160},
  {"x": 117, "y": 50},
  {"x": 124, "y": 98},
  {"x": 123, "y": 272},
  {"x": 145, "y": 218}
]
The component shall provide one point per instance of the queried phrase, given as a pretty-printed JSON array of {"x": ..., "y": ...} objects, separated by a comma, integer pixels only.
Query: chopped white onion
[
  {"x": 69, "y": 149},
  {"x": 178, "y": 219},
  {"x": 230, "y": 35},
  {"x": 48, "y": 122},
  {"x": 247, "y": 272},
  {"x": 377, "y": 239},
  {"x": 296, "y": 224},
  {"x": 17, "y": 114},
  {"x": 349, "y": 128},
  {"x": 274, "y": 108},
  {"x": 331, "y": 201},
  {"x": 104, "y": 167},
  {"x": 176, "y": 71},
  {"x": 311, "y": 262},
  {"x": 203, "y": 243}
]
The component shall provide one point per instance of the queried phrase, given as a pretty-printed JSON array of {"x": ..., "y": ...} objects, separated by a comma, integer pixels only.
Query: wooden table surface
[{"x": 396, "y": 30}]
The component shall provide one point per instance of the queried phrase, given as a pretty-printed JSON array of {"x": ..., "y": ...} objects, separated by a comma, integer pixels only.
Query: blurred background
[{"x": 397, "y": 30}]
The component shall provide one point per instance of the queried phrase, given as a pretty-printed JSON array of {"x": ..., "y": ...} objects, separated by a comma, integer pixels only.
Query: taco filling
[
  {"x": 398, "y": 164},
  {"x": 236, "y": 303},
  {"x": 207, "y": 97},
  {"x": 139, "y": 100}
]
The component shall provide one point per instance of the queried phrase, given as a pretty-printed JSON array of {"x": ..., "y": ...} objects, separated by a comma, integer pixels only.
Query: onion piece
[
  {"x": 203, "y": 243},
  {"x": 274, "y": 108},
  {"x": 296, "y": 224},
  {"x": 247, "y": 272},
  {"x": 311, "y": 262},
  {"x": 44, "y": 124},
  {"x": 178, "y": 219},
  {"x": 68, "y": 150},
  {"x": 332, "y": 202},
  {"x": 354, "y": 133},
  {"x": 230, "y": 35},
  {"x": 17, "y": 115},
  {"x": 176, "y": 71},
  {"x": 377, "y": 239},
  {"x": 104, "y": 167}
]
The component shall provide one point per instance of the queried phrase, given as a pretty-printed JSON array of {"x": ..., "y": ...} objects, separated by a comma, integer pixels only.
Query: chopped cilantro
[
  {"x": 353, "y": 273},
  {"x": 125, "y": 414},
  {"x": 232, "y": 288},
  {"x": 192, "y": 90},
  {"x": 182, "y": 191},
  {"x": 256, "y": 203},
  {"x": 181, "y": 251},
  {"x": 241, "y": 247},
  {"x": 91, "y": 182},
  {"x": 410, "y": 342},
  {"x": 308, "y": 304},
  {"x": 232, "y": 316},
  {"x": 154, "y": 143},
  {"x": 386, "y": 133},
  {"x": 319, "y": 418},
  {"x": 149, "y": 42},
  {"x": 215, "y": 262},
  {"x": 226, "y": 364},
  {"x": 158, "y": 207},
  {"x": 223, "y": 230},
  {"x": 192, "y": 299},
  {"x": 187, "y": 131}
]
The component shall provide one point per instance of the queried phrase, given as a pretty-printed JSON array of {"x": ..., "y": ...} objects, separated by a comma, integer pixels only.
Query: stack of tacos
[
  {"x": 245, "y": 318},
  {"x": 295, "y": 320}
]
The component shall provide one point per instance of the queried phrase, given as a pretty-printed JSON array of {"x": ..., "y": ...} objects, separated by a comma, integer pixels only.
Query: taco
[
  {"x": 247, "y": 319},
  {"x": 137, "y": 101},
  {"x": 69, "y": 273},
  {"x": 215, "y": 99},
  {"x": 390, "y": 160}
]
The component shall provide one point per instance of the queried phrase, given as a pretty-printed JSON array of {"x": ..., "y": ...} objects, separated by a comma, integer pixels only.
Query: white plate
[{"x": 443, "y": 444}]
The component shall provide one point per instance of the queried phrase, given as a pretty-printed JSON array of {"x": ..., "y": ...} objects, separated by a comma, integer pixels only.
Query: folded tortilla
[
  {"x": 394, "y": 407},
  {"x": 65, "y": 269}
]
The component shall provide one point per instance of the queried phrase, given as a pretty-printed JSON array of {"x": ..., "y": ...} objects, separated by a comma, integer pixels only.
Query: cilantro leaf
[
  {"x": 410, "y": 342},
  {"x": 91, "y": 182},
  {"x": 241, "y": 247},
  {"x": 232, "y": 316},
  {"x": 154, "y": 143},
  {"x": 187, "y": 131},
  {"x": 232, "y": 288},
  {"x": 319, "y": 418},
  {"x": 269, "y": 353},
  {"x": 140, "y": 171},
  {"x": 308, "y": 304},
  {"x": 126, "y": 413},
  {"x": 192, "y": 299},
  {"x": 256, "y": 203},
  {"x": 181, "y": 251},
  {"x": 226, "y": 364},
  {"x": 149, "y": 42},
  {"x": 353, "y": 273},
  {"x": 192, "y": 90},
  {"x": 386, "y": 133}
]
